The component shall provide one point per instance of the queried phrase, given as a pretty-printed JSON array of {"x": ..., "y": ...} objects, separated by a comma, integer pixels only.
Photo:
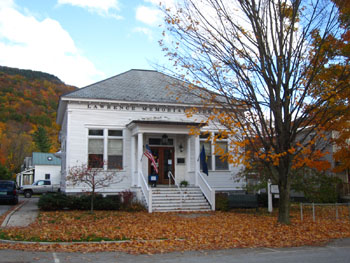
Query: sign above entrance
[{"x": 135, "y": 107}]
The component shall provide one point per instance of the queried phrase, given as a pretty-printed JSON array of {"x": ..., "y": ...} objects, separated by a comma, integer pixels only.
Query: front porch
[{"x": 176, "y": 155}]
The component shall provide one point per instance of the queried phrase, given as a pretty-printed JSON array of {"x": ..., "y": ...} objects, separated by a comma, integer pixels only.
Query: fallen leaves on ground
[{"x": 166, "y": 232}]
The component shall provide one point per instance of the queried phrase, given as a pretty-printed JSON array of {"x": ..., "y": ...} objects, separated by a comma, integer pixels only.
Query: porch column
[
  {"x": 196, "y": 155},
  {"x": 188, "y": 157},
  {"x": 133, "y": 162},
  {"x": 139, "y": 155}
]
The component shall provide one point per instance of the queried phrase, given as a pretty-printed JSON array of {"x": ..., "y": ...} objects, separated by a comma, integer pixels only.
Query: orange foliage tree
[
  {"x": 28, "y": 100},
  {"x": 255, "y": 64},
  {"x": 340, "y": 127}
]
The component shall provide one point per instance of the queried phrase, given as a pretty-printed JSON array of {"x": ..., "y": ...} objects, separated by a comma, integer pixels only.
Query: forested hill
[
  {"x": 28, "y": 102},
  {"x": 30, "y": 74}
]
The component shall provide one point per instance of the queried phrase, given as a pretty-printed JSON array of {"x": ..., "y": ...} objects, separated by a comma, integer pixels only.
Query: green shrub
[
  {"x": 183, "y": 183},
  {"x": 79, "y": 202},
  {"x": 60, "y": 201},
  {"x": 53, "y": 201},
  {"x": 221, "y": 202},
  {"x": 110, "y": 202}
]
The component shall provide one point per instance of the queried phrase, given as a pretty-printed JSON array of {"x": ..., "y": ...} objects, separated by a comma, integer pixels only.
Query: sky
[{"x": 81, "y": 41}]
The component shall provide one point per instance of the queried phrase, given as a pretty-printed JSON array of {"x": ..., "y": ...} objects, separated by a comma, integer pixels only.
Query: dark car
[{"x": 8, "y": 191}]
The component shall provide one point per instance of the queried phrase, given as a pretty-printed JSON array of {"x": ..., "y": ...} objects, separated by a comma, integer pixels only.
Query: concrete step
[
  {"x": 176, "y": 195},
  {"x": 176, "y": 192},
  {"x": 178, "y": 200},
  {"x": 179, "y": 209},
  {"x": 187, "y": 206},
  {"x": 172, "y": 200}
]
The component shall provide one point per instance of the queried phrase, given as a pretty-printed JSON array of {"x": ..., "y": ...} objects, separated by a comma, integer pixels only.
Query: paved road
[
  {"x": 4, "y": 207},
  {"x": 336, "y": 252},
  {"x": 26, "y": 214}
]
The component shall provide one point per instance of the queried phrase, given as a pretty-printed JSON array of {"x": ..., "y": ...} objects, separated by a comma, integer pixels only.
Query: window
[
  {"x": 215, "y": 152},
  {"x": 40, "y": 183},
  {"x": 47, "y": 176},
  {"x": 98, "y": 156},
  {"x": 98, "y": 132},
  {"x": 115, "y": 133},
  {"x": 220, "y": 150},
  {"x": 158, "y": 141},
  {"x": 115, "y": 154},
  {"x": 96, "y": 153}
]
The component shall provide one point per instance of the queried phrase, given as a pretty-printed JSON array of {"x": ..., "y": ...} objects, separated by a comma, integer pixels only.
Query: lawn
[{"x": 141, "y": 232}]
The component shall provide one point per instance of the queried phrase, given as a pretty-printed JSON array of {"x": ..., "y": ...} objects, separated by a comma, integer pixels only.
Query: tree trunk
[
  {"x": 92, "y": 203},
  {"x": 284, "y": 200}
]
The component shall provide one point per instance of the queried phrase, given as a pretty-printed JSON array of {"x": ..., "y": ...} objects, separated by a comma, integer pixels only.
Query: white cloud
[
  {"x": 43, "y": 45},
  {"x": 145, "y": 31},
  {"x": 101, "y": 7},
  {"x": 6, "y": 3},
  {"x": 147, "y": 15}
]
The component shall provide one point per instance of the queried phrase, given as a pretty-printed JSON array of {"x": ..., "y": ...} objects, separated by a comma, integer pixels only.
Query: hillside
[{"x": 28, "y": 100}]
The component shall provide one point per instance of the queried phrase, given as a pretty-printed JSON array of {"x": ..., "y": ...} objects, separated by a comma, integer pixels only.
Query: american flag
[{"x": 149, "y": 155}]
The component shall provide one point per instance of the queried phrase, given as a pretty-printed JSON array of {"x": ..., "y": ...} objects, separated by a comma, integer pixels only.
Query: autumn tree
[
  {"x": 340, "y": 127},
  {"x": 5, "y": 173},
  {"x": 92, "y": 179},
  {"x": 254, "y": 64},
  {"x": 17, "y": 145},
  {"x": 42, "y": 140}
]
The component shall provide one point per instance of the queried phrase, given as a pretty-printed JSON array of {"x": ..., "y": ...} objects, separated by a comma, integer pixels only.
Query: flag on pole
[
  {"x": 149, "y": 155},
  {"x": 204, "y": 161}
]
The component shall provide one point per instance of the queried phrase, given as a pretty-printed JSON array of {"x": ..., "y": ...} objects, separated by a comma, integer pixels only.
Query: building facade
[
  {"x": 107, "y": 125},
  {"x": 40, "y": 166}
]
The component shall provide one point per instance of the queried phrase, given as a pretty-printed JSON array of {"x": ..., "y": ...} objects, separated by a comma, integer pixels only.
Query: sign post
[{"x": 269, "y": 197}]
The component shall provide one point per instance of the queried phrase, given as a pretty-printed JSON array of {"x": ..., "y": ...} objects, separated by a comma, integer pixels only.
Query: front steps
[{"x": 169, "y": 200}]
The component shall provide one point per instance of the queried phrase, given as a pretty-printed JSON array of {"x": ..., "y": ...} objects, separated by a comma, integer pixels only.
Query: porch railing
[
  {"x": 182, "y": 197},
  {"x": 208, "y": 192},
  {"x": 147, "y": 192}
]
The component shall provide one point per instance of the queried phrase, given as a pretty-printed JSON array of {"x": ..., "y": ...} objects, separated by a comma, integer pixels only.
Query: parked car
[
  {"x": 8, "y": 191},
  {"x": 39, "y": 187}
]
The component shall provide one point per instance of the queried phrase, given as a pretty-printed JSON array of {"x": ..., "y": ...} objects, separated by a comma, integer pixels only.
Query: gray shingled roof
[{"x": 137, "y": 86}]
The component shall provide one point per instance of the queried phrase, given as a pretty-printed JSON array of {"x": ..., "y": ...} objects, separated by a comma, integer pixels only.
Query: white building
[
  {"x": 40, "y": 166},
  {"x": 112, "y": 121}
]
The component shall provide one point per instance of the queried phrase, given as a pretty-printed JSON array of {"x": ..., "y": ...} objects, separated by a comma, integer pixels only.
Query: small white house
[
  {"x": 113, "y": 120},
  {"x": 41, "y": 166}
]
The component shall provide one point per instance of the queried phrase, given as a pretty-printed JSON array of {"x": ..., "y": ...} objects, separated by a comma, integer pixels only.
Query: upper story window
[
  {"x": 158, "y": 141},
  {"x": 215, "y": 152},
  {"x": 220, "y": 158},
  {"x": 105, "y": 149},
  {"x": 97, "y": 132}
]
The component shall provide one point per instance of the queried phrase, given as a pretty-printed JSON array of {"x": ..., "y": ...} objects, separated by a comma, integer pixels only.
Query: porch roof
[{"x": 162, "y": 126}]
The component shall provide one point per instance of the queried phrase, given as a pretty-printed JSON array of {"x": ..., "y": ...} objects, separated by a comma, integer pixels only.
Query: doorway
[{"x": 164, "y": 157}]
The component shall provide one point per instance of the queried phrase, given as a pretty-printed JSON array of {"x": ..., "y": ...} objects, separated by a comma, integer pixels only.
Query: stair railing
[
  {"x": 170, "y": 175},
  {"x": 208, "y": 192},
  {"x": 147, "y": 192}
]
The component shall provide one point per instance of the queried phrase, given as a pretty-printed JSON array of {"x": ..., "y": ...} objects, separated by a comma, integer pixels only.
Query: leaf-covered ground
[{"x": 165, "y": 232}]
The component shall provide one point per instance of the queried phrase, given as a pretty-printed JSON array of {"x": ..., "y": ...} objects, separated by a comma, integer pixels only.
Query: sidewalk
[{"x": 24, "y": 215}]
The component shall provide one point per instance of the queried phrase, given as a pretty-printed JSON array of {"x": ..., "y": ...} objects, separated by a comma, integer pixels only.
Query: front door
[{"x": 164, "y": 157}]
